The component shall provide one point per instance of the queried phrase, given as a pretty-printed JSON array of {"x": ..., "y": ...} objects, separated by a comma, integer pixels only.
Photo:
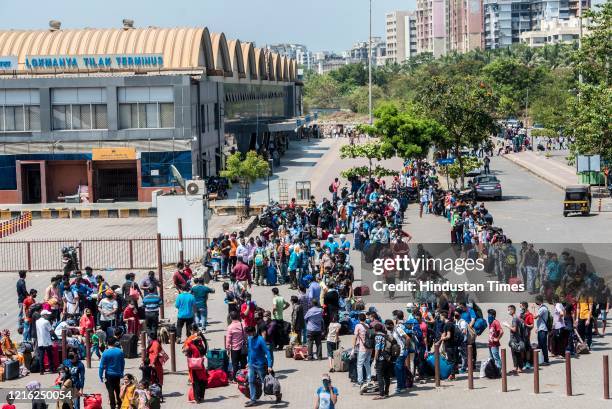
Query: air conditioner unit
[{"x": 195, "y": 188}]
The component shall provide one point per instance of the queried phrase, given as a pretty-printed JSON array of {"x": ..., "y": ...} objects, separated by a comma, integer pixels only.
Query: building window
[
  {"x": 146, "y": 115},
  {"x": 19, "y": 118},
  {"x": 79, "y": 117}
]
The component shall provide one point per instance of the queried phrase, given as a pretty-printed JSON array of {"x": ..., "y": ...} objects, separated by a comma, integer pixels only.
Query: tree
[
  {"x": 591, "y": 109},
  {"x": 370, "y": 151},
  {"x": 358, "y": 99},
  {"x": 321, "y": 91},
  {"x": 403, "y": 132},
  {"x": 463, "y": 107},
  {"x": 245, "y": 168}
]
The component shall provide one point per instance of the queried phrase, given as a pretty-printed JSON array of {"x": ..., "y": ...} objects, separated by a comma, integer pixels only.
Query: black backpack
[
  {"x": 331, "y": 188},
  {"x": 370, "y": 338}
]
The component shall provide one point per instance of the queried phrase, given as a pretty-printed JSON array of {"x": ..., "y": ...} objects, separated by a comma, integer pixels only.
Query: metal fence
[{"x": 100, "y": 254}]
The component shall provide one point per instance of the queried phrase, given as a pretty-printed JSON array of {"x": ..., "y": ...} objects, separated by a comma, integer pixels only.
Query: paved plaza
[{"x": 528, "y": 212}]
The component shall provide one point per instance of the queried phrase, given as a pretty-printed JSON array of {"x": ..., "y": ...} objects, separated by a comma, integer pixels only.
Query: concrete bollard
[
  {"x": 606, "y": 377},
  {"x": 143, "y": 344},
  {"x": 470, "y": 356},
  {"x": 568, "y": 374},
  {"x": 172, "y": 352},
  {"x": 536, "y": 371},
  {"x": 64, "y": 345},
  {"x": 504, "y": 371},
  {"x": 437, "y": 364}
]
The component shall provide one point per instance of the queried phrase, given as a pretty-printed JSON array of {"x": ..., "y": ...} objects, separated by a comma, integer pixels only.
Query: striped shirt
[{"x": 151, "y": 302}]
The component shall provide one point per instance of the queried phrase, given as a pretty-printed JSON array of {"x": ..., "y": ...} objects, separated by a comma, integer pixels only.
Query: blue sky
[{"x": 319, "y": 24}]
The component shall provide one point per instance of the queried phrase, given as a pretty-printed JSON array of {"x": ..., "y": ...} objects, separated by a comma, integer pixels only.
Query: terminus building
[{"x": 107, "y": 111}]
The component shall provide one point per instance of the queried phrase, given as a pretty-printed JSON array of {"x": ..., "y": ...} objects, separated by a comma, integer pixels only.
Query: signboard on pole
[
  {"x": 588, "y": 163},
  {"x": 446, "y": 161}
]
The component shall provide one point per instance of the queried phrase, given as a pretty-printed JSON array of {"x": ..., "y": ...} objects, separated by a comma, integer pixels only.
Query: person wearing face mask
[
  {"x": 496, "y": 332},
  {"x": 517, "y": 339},
  {"x": 86, "y": 322}
]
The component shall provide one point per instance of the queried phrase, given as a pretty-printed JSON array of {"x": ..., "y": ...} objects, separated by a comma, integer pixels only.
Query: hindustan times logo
[{"x": 412, "y": 265}]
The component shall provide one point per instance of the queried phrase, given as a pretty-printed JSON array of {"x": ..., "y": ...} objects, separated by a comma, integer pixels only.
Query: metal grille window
[
  {"x": 19, "y": 118},
  {"x": 146, "y": 115},
  {"x": 79, "y": 116}
]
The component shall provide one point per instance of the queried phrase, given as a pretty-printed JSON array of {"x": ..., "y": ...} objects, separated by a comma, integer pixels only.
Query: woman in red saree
[
  {"x": 196, "y": 347},
  {"x": 157, "y": 358},
  {"x": 130, "y": 316}
]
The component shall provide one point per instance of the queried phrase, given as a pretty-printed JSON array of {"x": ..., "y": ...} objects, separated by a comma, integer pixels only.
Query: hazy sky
[{"x": 319, "y": 24}]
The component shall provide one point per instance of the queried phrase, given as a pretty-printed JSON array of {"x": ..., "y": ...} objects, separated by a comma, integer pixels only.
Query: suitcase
[
  {"x": 340, "y": 363},
  {"x": 289, "y": 351},
  {"x": 362, "y": 291},
  {"x": 11, "y": 370},
  {"x": 300, "y": 352},
  {"x": 93, "y": 401},
  {"x": 352, "y": 368},
  {"x": 217, "y": 359},
  {"x": 56, "y": 350},
  {"x": 217, "y": 378},
  {"x": 129, "y": 345}
]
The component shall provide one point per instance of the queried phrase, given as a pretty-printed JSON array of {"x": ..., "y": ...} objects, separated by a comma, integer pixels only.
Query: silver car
[{"x": 486, "y": 186}]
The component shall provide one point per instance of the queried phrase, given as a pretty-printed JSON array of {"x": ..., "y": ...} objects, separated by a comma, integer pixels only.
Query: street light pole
[{"x": 370, "y": 67}]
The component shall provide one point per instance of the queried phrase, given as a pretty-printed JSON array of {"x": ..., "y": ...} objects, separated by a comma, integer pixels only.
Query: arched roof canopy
[
  {"x": 235, "y": 50},
  {"x": 292, "y": 68},
  {"x": 285, "y": 68},
  {"x": 260, "y": 60},
  {"x": 276, "y": 67},
  {"x": 221, "y": 54},
  {"x": 179, "y": 48},
  {"x": 270, "y": 66},
  {"x": 248, "y": 57}
]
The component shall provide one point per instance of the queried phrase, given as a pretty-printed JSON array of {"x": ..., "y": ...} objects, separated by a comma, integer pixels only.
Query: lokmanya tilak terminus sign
[{"x": 84, "y": 62}]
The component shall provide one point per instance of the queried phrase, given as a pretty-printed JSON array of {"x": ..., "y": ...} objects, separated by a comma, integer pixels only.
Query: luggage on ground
[
  {"x": 289, "y": 351},
  {"x": 217, "y": 378},
  {"x": 242, "y": 379},
  {"x": 217, "y": 359},
  {"x": 489, "y": 369},
  {"x": 445, "y": 367},
  {"x": 341, "y": 360},
  {"x": 93, "y": 401},
  {"x": 11, "y": 370},
  {"x": 300, "y": 352},
  {"x": 129, "y": 345}
]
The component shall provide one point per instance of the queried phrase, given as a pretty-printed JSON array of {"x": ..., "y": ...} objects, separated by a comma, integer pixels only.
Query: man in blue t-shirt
[
  {"x": 186, "y": 305},
  {"x": 331, "y": 244},
  {"x": 327, "y": 395},
  {"x": 200, "y": 293}
]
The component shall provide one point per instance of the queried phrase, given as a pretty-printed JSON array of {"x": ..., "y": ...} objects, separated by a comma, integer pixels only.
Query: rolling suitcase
[
  {"x": 340, "y": 363},
  {"x": 11, "y": 370},
  {"x": 129, "y": 345}
]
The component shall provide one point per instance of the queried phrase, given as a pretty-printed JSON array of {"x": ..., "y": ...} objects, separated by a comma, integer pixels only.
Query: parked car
[{"x": 486, "y": 186}]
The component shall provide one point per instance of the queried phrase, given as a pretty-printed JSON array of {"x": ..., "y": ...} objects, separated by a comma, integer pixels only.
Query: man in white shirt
[
  {"x": 108, "y": 308},
  {"x": 45, "y": 343}
]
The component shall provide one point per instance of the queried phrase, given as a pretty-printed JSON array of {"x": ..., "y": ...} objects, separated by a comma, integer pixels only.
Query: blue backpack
[{"x": 412, "y": 326}]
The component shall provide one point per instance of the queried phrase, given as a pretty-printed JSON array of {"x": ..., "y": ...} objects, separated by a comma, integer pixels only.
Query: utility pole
[
  {"x": 370, "y": 67},
  {"x": 579, "y": 41}
]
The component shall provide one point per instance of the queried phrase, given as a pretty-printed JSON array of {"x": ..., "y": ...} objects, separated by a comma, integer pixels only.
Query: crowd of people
[{"x": 308, "y": 248}]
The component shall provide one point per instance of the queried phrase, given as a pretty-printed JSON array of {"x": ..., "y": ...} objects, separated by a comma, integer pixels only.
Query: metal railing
[{"x": 104, "y": 253}]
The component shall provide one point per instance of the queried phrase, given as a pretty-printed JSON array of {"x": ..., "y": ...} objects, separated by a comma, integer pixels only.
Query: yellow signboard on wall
[{"x": 113, "y": 154}]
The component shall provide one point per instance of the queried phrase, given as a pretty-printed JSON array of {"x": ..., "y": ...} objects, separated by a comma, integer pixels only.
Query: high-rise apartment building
[
  {"x": 431, "y": 23},
  {"x": 396, "y": 36},
  {"x": 464, "y": 25},
  {"x": 410, "y": 42},
  {"x": 506, "y": 20}
]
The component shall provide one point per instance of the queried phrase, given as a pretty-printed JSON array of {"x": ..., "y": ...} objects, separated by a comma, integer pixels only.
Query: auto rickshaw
[{"x": 577, "y": 200}]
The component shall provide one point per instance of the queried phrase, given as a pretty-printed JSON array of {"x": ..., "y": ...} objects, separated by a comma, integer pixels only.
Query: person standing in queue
[{"x": 112, "y": 365}]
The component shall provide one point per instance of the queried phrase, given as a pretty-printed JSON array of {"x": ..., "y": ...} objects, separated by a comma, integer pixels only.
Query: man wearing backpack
[
  {"x": 382, "y": 358},
  {"x": 543, "y": 325},
  {"x": 468, "y": 337},
  {"x": 403, "y": 342},
  {"x": 363, "y": 343},
  {"x": 260, "y": 265},
  {"x": 450, "y": 337}
]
